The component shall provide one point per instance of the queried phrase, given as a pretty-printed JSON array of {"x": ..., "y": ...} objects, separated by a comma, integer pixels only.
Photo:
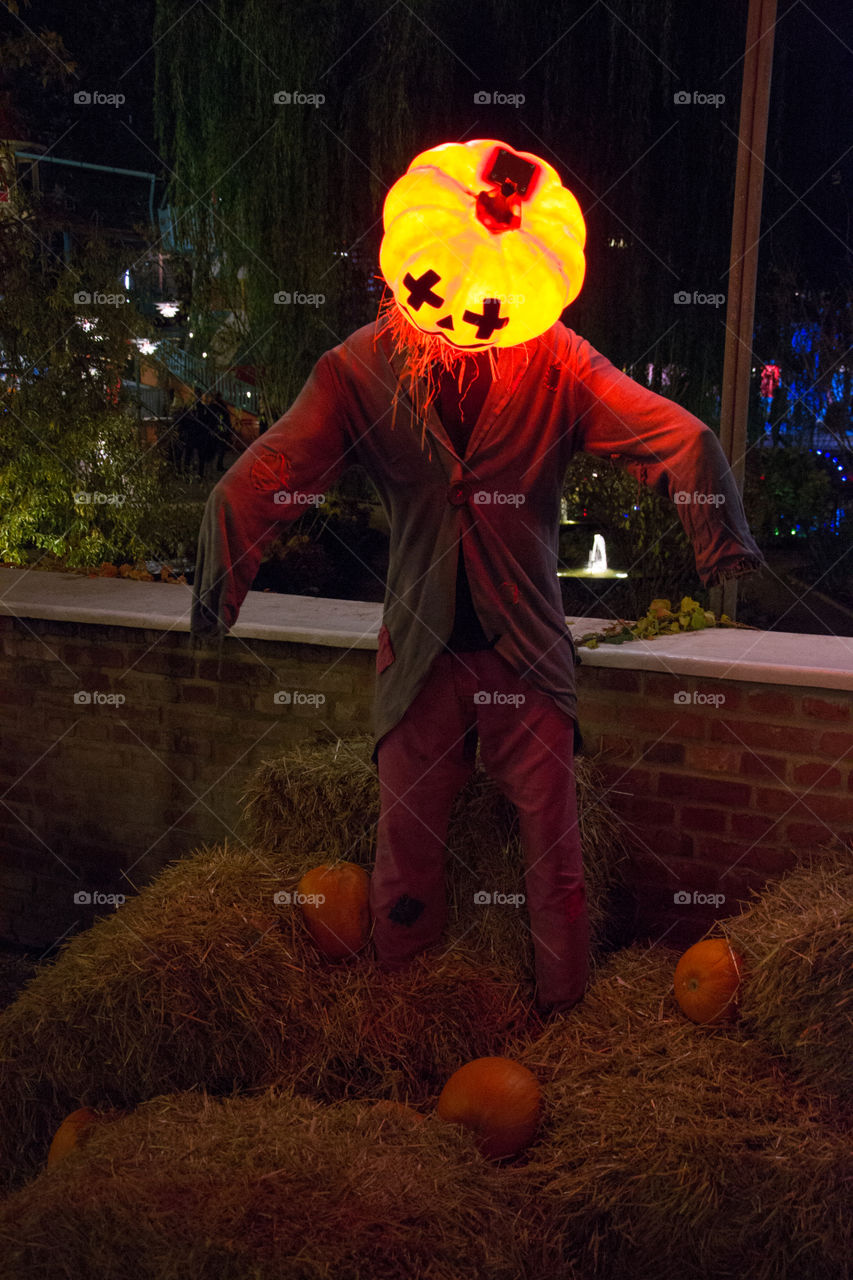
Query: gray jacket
[{"x": 553, "y": 397}]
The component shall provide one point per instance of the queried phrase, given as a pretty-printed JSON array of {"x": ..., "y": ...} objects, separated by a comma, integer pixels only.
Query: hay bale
[
  {"x": 263, "y": 1188},
  {"x": 203, "y": 981},
  {"x": 670, "y": 1150},
  {"x": 330, "y": 794},
  {"x": 797, "y": 943},
  {"x": 666, "y": 1150}
]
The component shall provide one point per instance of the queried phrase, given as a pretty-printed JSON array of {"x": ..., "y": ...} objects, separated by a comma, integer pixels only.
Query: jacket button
[{"x": 458, "y": 495}]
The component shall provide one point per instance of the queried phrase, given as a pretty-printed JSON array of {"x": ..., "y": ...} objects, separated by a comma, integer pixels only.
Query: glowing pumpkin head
[{"x": 483, "y": 246}]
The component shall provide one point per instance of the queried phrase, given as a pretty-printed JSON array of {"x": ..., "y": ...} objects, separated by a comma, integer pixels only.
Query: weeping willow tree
[
  {"x": 283, "y": 197},
  {"x": 286, "y": 196}
]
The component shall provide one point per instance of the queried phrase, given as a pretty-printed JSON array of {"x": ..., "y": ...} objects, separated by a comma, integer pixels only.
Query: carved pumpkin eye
[
  {"x": 488, "y": 321},
  {"x": 420, "y": 290},
  {"x": 483, "y": 245}
]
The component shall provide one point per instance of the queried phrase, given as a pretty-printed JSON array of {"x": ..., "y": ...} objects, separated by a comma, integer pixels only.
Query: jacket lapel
[{"x": 414, "y": 392}]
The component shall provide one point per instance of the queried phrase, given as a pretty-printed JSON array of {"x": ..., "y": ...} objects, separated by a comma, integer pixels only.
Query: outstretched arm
[
  {"x": 672, "y": 452},
  {"x": 301, "y": 456}
]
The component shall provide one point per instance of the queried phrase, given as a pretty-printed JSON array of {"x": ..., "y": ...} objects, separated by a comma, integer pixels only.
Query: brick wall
[
  {"x": 717, "y": 794},
  {"x": 91, "y": 789},
  {"x": 722, "y": 788}
]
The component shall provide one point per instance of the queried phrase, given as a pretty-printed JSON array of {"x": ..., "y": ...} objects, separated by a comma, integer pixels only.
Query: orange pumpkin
[
  {"x": 334, "y": 902},
  {"x": 498, "y": 1100},
  {"x": 483, "y": 246},
  {"x": 74, "y": 1131},
  {"x": 707, "y": 979}
]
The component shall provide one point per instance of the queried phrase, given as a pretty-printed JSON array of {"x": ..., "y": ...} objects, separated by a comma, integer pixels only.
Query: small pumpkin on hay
[
  {"x": 75, "y": 1130},
  {"x": 334, "y": 902},
  {"x": 498, "y": 1099},
  {"x": 707, "y": 981}
]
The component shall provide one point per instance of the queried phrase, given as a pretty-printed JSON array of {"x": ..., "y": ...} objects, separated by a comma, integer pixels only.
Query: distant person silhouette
[
  {"x": 201, "y": 435},
  {"x": 224, "y": 437}
]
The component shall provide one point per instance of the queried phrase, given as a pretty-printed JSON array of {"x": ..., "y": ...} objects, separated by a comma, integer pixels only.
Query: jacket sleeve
[
  {"x": 300, "y": 457},
  {"x": 672, "y": 452}
]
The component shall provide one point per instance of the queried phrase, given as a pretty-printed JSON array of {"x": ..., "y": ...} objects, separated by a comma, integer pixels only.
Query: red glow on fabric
[{"x": 270, "y": 472}]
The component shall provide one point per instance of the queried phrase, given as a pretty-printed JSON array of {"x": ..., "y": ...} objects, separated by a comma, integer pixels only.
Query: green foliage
[
  {"x": 793, "y": 499},
  {"x": 270, "y": 195},
  {"x": 642, "y": 531},
  {"x": 63, "y": 433},
  {"x": 660, "y": 619},
  {"x": 786, "y": 486},
  {"x": 78, "y": 487}
]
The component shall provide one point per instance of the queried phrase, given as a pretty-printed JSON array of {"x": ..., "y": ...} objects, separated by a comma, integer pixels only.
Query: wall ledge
[{"x": 764, "y": 657}]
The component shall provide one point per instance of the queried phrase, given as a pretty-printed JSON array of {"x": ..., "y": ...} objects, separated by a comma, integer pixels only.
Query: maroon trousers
[{"x": 526, "y": 746}]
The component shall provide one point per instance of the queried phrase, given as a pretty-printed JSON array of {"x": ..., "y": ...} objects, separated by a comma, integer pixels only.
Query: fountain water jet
[{"x": 598, "y": 556}]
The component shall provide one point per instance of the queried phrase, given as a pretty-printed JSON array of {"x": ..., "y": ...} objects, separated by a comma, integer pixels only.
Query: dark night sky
[{"x": 810, "y": 133}]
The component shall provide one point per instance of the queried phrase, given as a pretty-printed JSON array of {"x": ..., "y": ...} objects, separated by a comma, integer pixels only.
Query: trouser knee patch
[{"x": 406, "y": 910}]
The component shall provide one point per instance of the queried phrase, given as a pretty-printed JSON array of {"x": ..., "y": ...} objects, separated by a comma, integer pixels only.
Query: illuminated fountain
[
  {"x": 596, "y": 566},
  {"x": 597, "y": 578},
  {"x": 597, "y": 563}
]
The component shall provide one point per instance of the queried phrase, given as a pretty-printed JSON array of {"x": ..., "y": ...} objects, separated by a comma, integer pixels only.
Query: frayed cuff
[{"x": 734, "y": 569}]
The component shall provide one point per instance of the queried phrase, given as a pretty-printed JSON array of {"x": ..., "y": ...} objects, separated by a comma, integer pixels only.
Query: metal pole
[
  {"x": 102, "y": 168},
  {"x": 743, "y": 261}
]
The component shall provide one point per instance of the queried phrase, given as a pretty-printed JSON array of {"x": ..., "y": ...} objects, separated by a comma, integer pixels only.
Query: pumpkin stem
[{"x": 499, "y": 210}]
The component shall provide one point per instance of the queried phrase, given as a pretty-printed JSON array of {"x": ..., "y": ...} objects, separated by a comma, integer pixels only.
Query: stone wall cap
[
  {"x": 158, "y": 606},
  {"x": 726, "y": 653},
  {"x": 765, "y": 657}
]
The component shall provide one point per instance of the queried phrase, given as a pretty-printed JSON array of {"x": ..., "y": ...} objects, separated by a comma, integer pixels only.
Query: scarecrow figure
[{"x": 465, "y": 402}]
